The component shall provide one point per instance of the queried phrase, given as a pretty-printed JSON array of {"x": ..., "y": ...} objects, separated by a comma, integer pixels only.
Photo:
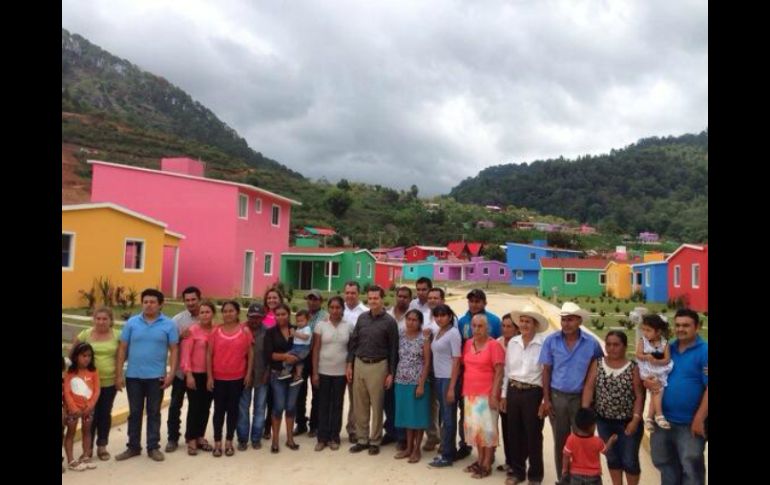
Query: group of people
[{"x": 408, "y": 371}]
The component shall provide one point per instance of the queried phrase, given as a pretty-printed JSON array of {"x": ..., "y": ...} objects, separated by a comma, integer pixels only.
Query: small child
[
  {"x": 654, "y": 359},
  {"x": 581, "y": 461},
  {"x": 303, "y": 337},
  {"x": 81, "y": 391}
]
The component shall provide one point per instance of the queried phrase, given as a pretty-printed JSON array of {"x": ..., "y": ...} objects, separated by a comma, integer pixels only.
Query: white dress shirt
[{"x": 521, "y": 363}]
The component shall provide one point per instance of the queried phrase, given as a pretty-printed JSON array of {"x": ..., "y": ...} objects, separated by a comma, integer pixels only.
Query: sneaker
[
  {"x": 463, "y": 452},
  {"x": 358, "y": 447},
  {"x": 86, "y": 460},
  {"x": 156, "y": 455},
  {"x": 374, "y": 450},
  {"x": 77, "y": 466},
  {"x": 256, "y": 445},
  {"x": 334, "y": 446},
  {"x": 295, "y": 382},
  {"x": 312, "y": 433},
  {"x": 171, "y": 446},
  {"x": 440, "y": 462},
  {"x": 320, "y": 446},
  {"x": 128, "y": 453},
  {"x": 300, "y": 429},
  {"x": 243, "y": 446},
  {"x": 284, "y": 375}
]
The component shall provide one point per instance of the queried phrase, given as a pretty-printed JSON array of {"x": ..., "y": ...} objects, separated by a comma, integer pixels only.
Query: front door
[
  {"x": 248, "y": 274},
  {"x": 305, "y": 275}
]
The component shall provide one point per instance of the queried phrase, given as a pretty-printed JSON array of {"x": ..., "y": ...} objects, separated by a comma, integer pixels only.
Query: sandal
[
  {"x": 217, "y": 452},
  {"x": 229, "y": 450},
  {"x": 102, "y": 454},
  {"x": 205, "y": 446},
  {"x": 649, "y": 425},
  {"x": 482, "y": 473},
  {"x": 292, "y": 446},
  {"x": 77, "y": 466},
  {"x": 86, "y": 460},
  {"x": 472, "y": 468},
  {"x": 191, "y": 449},
  {"x": 274, "y": 449},
  {"x": 662, "y": 422}
]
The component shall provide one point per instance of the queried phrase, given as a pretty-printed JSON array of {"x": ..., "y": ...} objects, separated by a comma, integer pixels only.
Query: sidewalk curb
[{"x": 121, "y": 416}]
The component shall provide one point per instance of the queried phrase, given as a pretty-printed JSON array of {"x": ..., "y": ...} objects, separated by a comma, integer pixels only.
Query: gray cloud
[{"x": 422, "y": 92}]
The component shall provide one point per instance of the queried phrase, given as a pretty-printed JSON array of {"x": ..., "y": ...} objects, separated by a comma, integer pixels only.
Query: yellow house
[
  {"x": 107, "y": 240},
  {"x": 650, "y": 257},
  {"x": 619, "y": 279}
]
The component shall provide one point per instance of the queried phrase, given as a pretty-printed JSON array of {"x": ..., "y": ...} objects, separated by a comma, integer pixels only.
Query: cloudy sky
[{"x": 424, "y": 92}]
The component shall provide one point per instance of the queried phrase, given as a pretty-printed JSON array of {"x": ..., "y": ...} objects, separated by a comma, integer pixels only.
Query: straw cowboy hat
[
  {"x": 570, "y": 308},
  {"x": 531, "y": 312}
]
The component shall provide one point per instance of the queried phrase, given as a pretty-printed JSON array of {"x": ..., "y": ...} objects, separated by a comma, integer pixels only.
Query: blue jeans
[
  {"x": 284, "y": 396},
  {"x": 258, "y": 417},
  {"x": 678, "y": 455},
  {"x": 624, "y": 454},
  {"x": 139, "y": 391},
  {"x": 448, "y": 414}
]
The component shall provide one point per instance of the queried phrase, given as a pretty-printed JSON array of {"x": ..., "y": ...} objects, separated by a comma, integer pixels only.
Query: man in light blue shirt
[
  {"x": 565, "y": 357},
  {"x": 147, "y": 339}
]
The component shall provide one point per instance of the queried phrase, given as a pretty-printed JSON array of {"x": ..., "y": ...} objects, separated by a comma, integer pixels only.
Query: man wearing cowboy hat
[
  {"x": 522, "y": 394},
  {"x": 566, "y": 356}
]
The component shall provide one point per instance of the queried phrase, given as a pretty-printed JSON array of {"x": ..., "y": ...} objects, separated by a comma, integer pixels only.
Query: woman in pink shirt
[
  {"x": 483, "y": 358},
  {"x": 193, "y": 364},
  {"x": 229, "y": 360},
  {"x": 273, "y": 299}
]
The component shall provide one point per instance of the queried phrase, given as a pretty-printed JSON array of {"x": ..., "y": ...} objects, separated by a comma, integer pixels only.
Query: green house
[
  {"x": 306, "y": 268},
  {"x": 572, "y": 277}
]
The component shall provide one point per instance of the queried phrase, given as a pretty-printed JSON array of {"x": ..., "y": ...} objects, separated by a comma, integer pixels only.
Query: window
[
  {"x": 268, "y": 264},
  {"x": 67, "y": 250},
  {"x": 133, "y": 259},
  {"x": 258, "y": 205},
  {"x": 370, "y": 270},
  {"x": 677, "y": 276},
  {"x": 247, "y": 285},
  {"x": 276, "y": 215},
  {"x": 519, "y": 274},
  {"x": 485, "y": 271},
  {"x": 243, "y": 206},
  {"x": 570, "y": 278},
  {"x": 335, "y": 269},
  {"x": 647, "y": 277},
  {"x": 411, "y": 269},
  {"x": 639, "y": 279},
  {"x": 602, "y": 278},
  {"x": 696, "y": 275},
  {"x": 358, "y": 269},
  {"x": 441, "y": 269},
  {"x": 502, "y": 271},
  {"x": 390, "y": 273},
  {"x": 471, "y": 270},
  {"x": 532, "y": 256}
]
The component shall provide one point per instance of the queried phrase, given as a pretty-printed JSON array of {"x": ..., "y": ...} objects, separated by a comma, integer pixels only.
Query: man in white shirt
[
  {"x": 353, "y": 309},
  {"x": 398, "y": 311},
  {"x": 423, "y": 286}
]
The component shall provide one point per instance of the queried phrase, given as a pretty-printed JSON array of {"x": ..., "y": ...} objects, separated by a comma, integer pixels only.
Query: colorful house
[
  {"x": 414, "y": 271},
  {"x": 421, "y": 253},
  {"x": 478, "y": 269},
  {"x": 619, "y": 275},
  {"x": 649, "y": 237},
  {"x": 109, "y": 241},
  {"x": 316, "y": 233},
  {"x": 235, "y": 232},
  {"x": 523, "y": 260},
  {"x": 389, "y": 253},
  {"x": 326, "y": 268},
  {"x": 387, "y": 273},
  {"x": 688, "y": 275},
  {"x": 572, "y": 277},
  {"x": 465, "y": 250},
  {"x": 651, "y": 278}
]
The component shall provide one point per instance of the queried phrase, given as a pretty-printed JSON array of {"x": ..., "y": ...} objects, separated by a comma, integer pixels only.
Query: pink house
[
  {"x": 389, "y": 253},
  {"x": 477, "y": 269},
  {"x": 235, "y": 232}
]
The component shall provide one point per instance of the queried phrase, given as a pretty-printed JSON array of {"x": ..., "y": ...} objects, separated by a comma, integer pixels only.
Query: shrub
[
  {"x": 593, "y": 309},
  {"x": 598, "y": 324},
  {"x": 617, "y": 309},
  {"x": 602, "y": 313}
]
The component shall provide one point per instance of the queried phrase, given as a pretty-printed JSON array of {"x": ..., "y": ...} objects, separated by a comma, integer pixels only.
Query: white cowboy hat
[
  {"x": 531, "y": 312},
  {"x": 570, "y": 308}
]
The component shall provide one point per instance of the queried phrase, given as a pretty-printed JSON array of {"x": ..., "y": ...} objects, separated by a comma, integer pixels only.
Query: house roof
[
  {"x": 429, "y": 248},
  {"x": 574, "y": 263},
  {"x": 697, "y": 247},
  {"x": 475, "y": 248},
  {"x": 204, "y": 179},
  {"x": 389, "y": 263},
  {"x": 456, "y": 247},
  {"x": 387, "y": 250},
  {"x": 320, "y": 231},
  {"x": 649, "y": 263},
  {"x": 124, "y": 210},
  {"x": 300, "y": 251},
  {"x": 549, "y": 248}
]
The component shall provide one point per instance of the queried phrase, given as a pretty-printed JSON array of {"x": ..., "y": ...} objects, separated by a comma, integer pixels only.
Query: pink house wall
[{"x": 207, "y": 214}]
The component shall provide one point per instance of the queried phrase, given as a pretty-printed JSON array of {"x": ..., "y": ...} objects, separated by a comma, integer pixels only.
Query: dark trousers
[
  {"x": 199, "y": 405},
  {"x": 331, "y": 395},
  {"x": 100, "y": 427},
  {"x": 141, "y": 391},
  {"x": 301, "y": 418},
  {"x": 448, "y": 412},
  {"x": 565, "y": 407},
  {"x": 227, "y": 395},
  {"x": 461, "y": 406},
  {"x": 525, "y": 433},
  {"x": 175, "y": 409}
]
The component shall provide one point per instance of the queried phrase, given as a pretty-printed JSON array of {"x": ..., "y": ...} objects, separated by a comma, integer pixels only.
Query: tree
[
  {"x": 338, "y": 202},
  {"x": 343, "y": 184},
  {"x": 414, "y": 191},
  {"x": 494, "y": 252}
]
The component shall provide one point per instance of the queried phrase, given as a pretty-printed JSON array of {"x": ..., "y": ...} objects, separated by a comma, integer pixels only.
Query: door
[
  {"x": 305, "y": 275},
  {"x": 248, "y": 274}
]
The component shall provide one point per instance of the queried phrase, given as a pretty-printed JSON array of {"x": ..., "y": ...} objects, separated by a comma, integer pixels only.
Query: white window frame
[
  {"x": 566, "y": 274},
  {"x": 485, "y": 271},
  {"x": 519, "y": 274},
  {"x": 603, "y": 276},
  {"x": 692, "y": 275},
  {"x": 245, "y": 214},
  {"x": 370, "y": 270},
  {"x": 253, "y": 263},
  {"x": 71, "y": 266},
  {"x": 646, "y": 277},
  {"x": 358, "y": 269},
  {"x": 270, "y": 272},
  {"x": 335, "y": 274},
  {"x": 502, "y": 271},
  {"x": 144, "y": 254},
  {"x": 677, "y": 276},
  {"x": 272, "y": 215},
  {"x": 257, "y": 205},
  {"x": 441, "y": 270}
]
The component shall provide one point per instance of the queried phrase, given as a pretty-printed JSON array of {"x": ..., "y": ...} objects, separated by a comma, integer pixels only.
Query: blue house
[
  {"x": 652, "y": 279},
  {"x": 524, "y": 260},
  {"x": 414, "y": 271}
]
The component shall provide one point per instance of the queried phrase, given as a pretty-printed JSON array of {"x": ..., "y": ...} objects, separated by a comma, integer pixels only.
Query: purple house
[
  {"x": 389, "y": 253},
  {"x": 649, "y": 237},
  {"x": 477, "y": 269}
]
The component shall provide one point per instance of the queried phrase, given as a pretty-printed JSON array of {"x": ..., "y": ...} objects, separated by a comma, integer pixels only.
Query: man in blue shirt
[
  {"x": 477, "y": 303},
  {"x": 565, "y": 357},
  {"x": 147, "y": 339},
  {"x": 678, "y": 452}
]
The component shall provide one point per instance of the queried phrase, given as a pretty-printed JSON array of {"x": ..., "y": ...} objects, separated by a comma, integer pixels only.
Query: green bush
[
  {"x": 598, "y": 324},
  {"x": 602, "y": 313},
  {"x": 593, "y": 309},
  {"x": 617, "y": 309}
]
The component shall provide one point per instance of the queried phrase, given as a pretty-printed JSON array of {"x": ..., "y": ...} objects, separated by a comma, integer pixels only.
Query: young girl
[
  {"x": 81, "y": 391},
  {"x": 654, "y": 359}
]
